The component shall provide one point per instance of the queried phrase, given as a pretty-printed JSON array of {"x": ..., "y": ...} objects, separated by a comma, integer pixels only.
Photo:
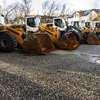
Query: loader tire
[
  {"x": 50, "y": 36},
  {"x": 99, "y": 37},
  {"x": 76, "y": 35},
  {"x": 8, "y": 42}
]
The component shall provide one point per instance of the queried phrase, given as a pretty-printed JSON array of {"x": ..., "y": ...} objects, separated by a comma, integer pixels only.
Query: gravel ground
[{"x": 59, "y": 75}]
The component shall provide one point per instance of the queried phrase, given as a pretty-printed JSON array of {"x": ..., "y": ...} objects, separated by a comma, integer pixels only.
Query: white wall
[
  {"x": 93, "y": 14},
  {"x": 83, "y": 19}
]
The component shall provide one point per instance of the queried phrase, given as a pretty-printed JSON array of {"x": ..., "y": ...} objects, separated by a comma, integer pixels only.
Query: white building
[{"x": 84, "y": 16}]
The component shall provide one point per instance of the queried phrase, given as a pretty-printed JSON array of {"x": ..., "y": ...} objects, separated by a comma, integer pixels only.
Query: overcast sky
[{"x": 73, "y": 4}]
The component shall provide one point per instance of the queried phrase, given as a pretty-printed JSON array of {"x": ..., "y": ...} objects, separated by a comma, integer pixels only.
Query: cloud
[{"x": 82, "y": 4}]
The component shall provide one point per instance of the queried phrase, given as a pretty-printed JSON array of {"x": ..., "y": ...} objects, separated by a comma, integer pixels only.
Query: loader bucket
[
  {"x": 41, "y": 44},
  {"x": 93, "y": 39},
  {"x": 68, "y": 41}
]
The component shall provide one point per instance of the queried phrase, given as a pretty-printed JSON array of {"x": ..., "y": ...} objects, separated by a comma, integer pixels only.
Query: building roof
[
  {"x": 97, "y": 10},
  {"x": 69, "y": 16},
  {"x": 84, "y": 13},
  {"x": 87, "y": 12}
]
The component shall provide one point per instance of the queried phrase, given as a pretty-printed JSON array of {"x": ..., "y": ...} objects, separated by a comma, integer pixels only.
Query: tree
[
  {"x": 63, "y": 10},
  {"x": 45, "y": 8},
  {"x": 7, "y": 9},
  {"x": 49, "y": 9},
  {"x": 26, "y": 7},
  {"x": 21, "y": 12},
  {"x": 18, "y": 14}
]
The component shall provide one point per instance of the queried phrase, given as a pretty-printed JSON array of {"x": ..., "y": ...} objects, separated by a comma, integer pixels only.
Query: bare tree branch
[
  {"x": 49, "y": 9},
  {"x": 7, "y": 9},
  {"x": 27, "y": 6},
  {"x": 45, "y": 7},
  {"x": 63, "y": 8},
  {"x": 10, "y": 8}
]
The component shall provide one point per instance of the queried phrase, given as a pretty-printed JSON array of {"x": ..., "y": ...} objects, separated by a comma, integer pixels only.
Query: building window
[{"x": 76, "y": 15}]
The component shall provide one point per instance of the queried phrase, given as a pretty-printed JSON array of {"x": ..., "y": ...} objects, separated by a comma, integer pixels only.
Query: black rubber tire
[
  {"x": 8, "y": 42},
  {"x": 99, "y": 37},
  {"x": 49, "y": 36},
  {"x": 76, "y": 32},
  {"x": 19, "y": 46},
  {"x": 56, "y": 46},
  {"x": 76, "y": 35}
]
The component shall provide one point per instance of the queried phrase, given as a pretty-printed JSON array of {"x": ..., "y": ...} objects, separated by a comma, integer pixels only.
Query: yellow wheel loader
[
  {"x": 91, "y": 34},
  {"x": 31, "y": 43},
  {"x": 97, "y": 29},
  {"x": 88, "y": 33},
  {"x": 62, "y": 38}
]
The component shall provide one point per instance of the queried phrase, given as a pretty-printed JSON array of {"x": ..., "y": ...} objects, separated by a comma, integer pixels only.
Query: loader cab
[
  {"x": 2, "y": 20},
  {"x": 97, "y": 28},
  {"x": 97, "y": 25},
  {"x": 77, "y": 24},
  {"x": 88, "y": 25},
  {"x": 32, "y": 24},
  {"x": 59, "y": 23}
]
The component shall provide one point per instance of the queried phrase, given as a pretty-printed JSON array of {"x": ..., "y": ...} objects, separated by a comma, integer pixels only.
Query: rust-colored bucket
[
  {"x": 93, "y": 39},
  {"x": 68, "y": 41},
  {"x": 41, "y": 44}
]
